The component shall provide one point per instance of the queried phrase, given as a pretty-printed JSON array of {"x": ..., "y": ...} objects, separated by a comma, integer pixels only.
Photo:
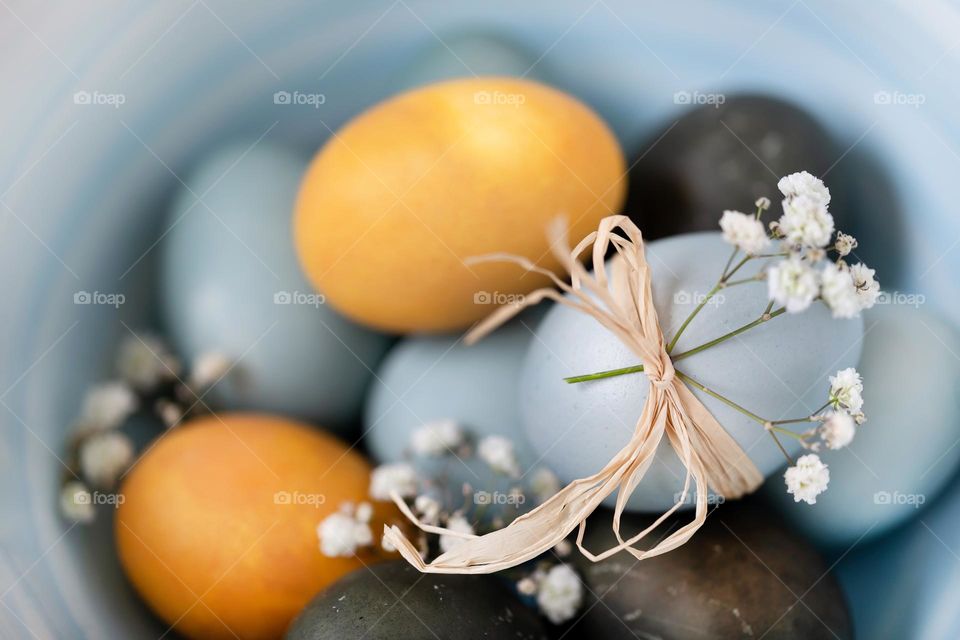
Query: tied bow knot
[{"x": 622, "y": 301}]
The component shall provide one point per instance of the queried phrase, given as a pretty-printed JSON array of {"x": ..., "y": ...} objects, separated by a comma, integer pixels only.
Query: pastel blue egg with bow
[
  {"x": 776, "y": 370},
  {"x": 230, "y": 284}
]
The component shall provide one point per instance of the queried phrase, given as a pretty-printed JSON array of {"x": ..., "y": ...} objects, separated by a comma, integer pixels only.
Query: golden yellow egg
[
  {"x": 397, "y": 200},
  {"x": 218, "y": 527}
]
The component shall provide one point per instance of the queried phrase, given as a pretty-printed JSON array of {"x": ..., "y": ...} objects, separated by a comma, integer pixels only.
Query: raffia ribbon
[{"x": 623, "y": 303}]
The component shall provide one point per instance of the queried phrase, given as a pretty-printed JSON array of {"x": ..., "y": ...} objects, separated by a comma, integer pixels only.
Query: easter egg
[
  {"x": 394, "y": 205},
  {"x": 742, "y": 575},
  {"x": 230, "y": 284},
  {"x": 890, "y": 471},
  {"x": 218, "y": 527},
  {"x": 904, "y": 585},
  {"x": 724, "y": 155},
  {"x": 431, "y": 379},
  {"x": 777, "y": 370},
  {"x": 394, "y": 601},
  {"x": 470, "y": 53}
]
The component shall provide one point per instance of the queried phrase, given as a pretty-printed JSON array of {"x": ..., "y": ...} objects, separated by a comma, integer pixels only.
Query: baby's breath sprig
[
  {"x": 794, "y": 282},
  {"x": 99, "y": 452},
  {"x": 426, "y": 494}
]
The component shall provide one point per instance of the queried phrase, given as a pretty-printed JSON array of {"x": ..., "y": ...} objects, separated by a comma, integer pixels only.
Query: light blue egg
[
  {"x": 230, "y": 283},
  {"x": 469, "y": 53},
  {"x": 906, "y": 584},
  {"x": 429, "y": 378},
  {"x": 908, "y": 449},
  {"x": 778, "y": 370}
]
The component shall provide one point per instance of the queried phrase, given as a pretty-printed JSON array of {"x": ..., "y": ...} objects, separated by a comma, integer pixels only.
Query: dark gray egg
[
  {"x": 742, "y": 575},
  {"x": 725, "y": 156},
  {"x": 394, "y": 601}
]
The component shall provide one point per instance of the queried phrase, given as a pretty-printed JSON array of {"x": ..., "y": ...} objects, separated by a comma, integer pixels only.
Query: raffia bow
[{"x": 623, "y": 303}]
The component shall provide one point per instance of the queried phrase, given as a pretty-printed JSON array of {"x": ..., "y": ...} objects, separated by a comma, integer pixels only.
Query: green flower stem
[
  {"x": 781, "y": 447},
  {"x": 723, "y": 399},
  {"x": 745, "y": 260},
  {"x": 600, "y": 375},
  {"x": 693, "y": 314},
  {"x": 792, "y": 421},
  {"x": 729, "y": 261},
  {"x": 703, "y": 303},
  {"x": 742, "y": 281},
  {"x": 794, "y": 434},
  {"x": 733, "y": 405},
  {"x": 732, "y": 334},
  {"x": 611, "y": 373}
]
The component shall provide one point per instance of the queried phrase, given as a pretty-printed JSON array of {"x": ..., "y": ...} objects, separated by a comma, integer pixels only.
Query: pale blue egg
[
  {"x": 910, "y": 445},
  {"x": 906, "y": 584},
  {"x": 777, "y": 370},
  {"x": 469, "y": 53},
  {"x": 425, "y": 379},
  {"x": 230, "y": 283}
]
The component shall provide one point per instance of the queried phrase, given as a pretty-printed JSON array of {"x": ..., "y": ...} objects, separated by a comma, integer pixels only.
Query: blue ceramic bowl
[{"x": 106, "y": 103}]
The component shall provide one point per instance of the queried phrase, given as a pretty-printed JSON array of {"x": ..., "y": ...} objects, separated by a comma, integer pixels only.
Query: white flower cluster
[
  {"x": 806, "y": 229},
  {"x": 344, "y": 531},
  {"x": 499, "y": 454},
  {"x": 457, "y": 523},
  {"x": 104, "y": 457},
  {"x": 144, "y": 361},
  {"x": 106, "y": 406},
  {"x": 436, "y": 438},
  {"x": 398, "y": 477},
  {"x": 744, "y": 231},
  {"x": 809, "y": 477},
  {"x": 558, "y": 589},
  {"x": 846, "y": 391}
]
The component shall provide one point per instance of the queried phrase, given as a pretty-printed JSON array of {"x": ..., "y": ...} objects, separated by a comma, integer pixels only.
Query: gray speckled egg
[
  {"x": 742, "y": 575},
  {"x": 230, "y": 283},
  {"x": 394, "y": 601},
  {"x": 907, "y": 450},
  {"x": 430, "y": 378},
  {"x": 722, "y": 156},
  {"x": 778, "y": 370}
]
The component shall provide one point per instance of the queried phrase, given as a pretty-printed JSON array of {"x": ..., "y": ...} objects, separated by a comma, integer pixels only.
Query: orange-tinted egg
[
  {"x": 398, "y": 200},
  {"x": 218, "y": 527}
]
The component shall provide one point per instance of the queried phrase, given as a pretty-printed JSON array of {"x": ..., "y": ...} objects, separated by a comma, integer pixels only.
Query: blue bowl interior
[{"x": 86, "y": 186}]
